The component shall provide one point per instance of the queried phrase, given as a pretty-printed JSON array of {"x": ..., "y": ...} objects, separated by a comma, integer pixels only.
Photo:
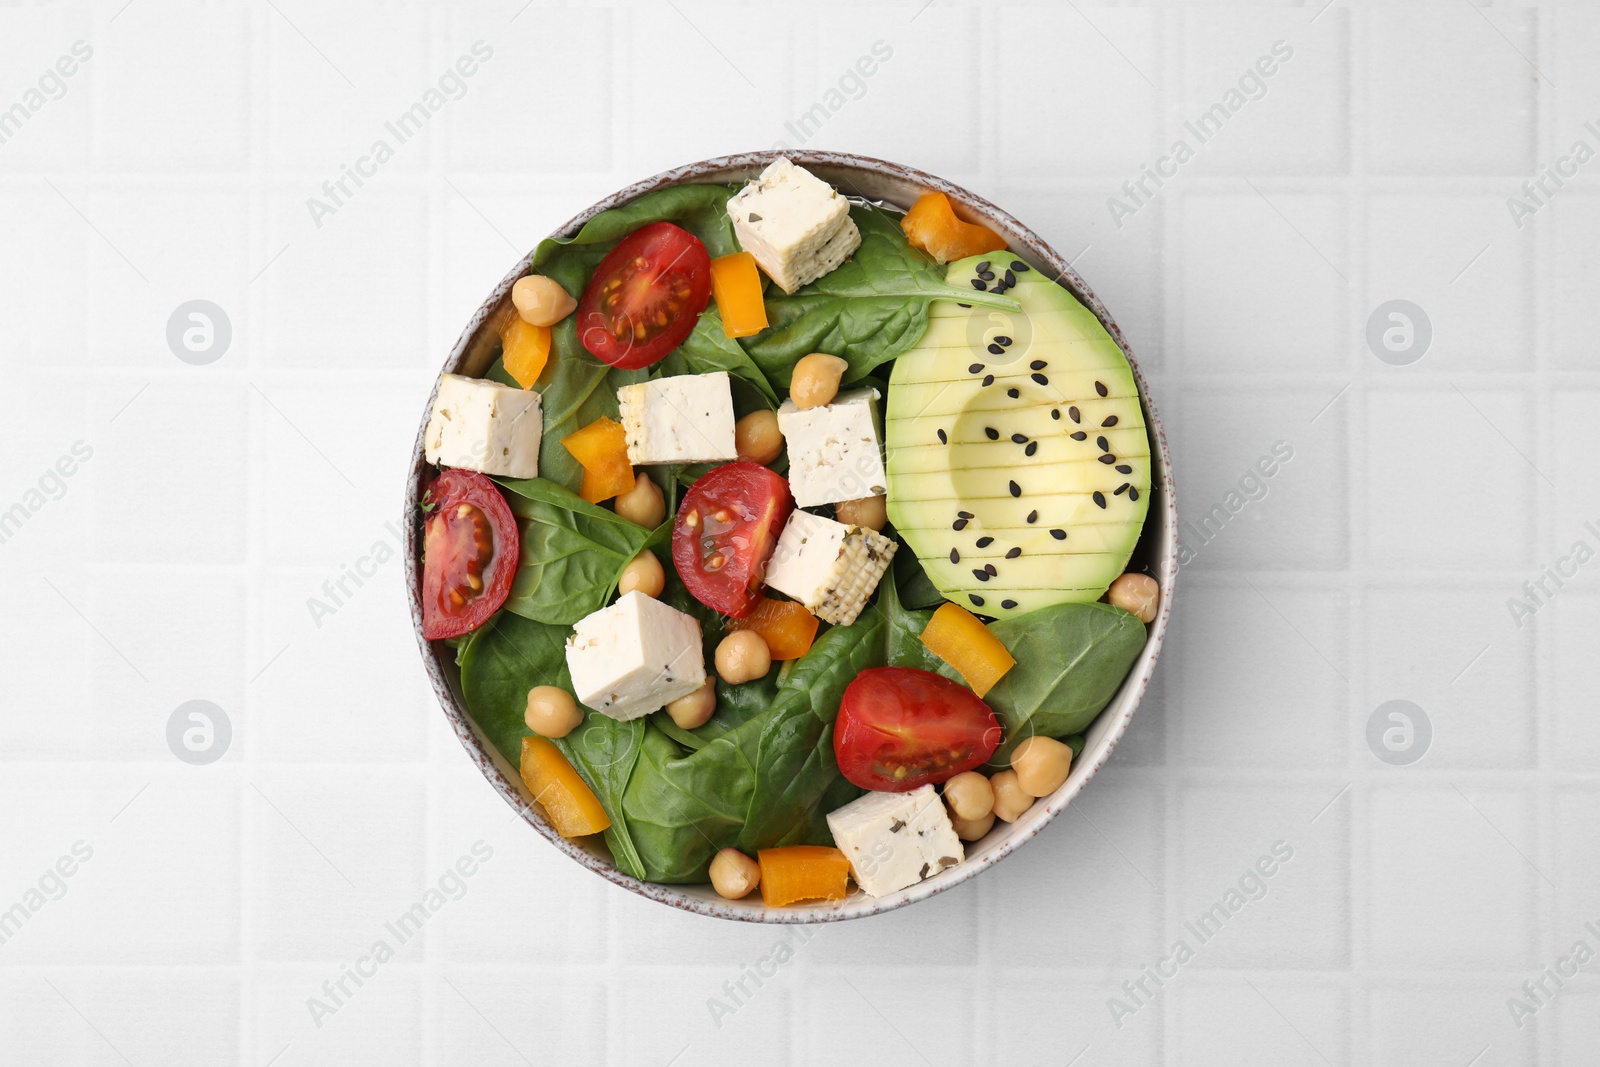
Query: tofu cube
[
  {"x": 896, "y": 839},
  {"x": 685, "y": 418},
  {"x": 484, "y": 426},
  {"x": 635, "y": 657},
  {"x": 829, "y": 567},
  {"x": 796, "y": 225},
  {"x": 834, "y": 450}
]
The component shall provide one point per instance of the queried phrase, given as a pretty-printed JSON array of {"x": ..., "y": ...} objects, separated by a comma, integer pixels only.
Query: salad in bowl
[{"x": 785, "y": 545}]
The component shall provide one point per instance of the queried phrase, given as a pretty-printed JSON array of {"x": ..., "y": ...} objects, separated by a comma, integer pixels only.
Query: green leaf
[
  {"x": 700, "y": 209},
  {"x": 1071, "y": 660},
  {"x": 870, "y": 310},
  {"x": 573, "y": 552},
  {"x": 574, "y": 390},
  {"x": 709, "y": 348}
]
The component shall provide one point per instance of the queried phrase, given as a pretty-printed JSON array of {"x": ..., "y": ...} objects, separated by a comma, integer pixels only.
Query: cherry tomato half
[
  {"x": 900, "y": 728},
  {"x": 725, "y": 532},
  {"x": 470, "y": 552},
  {"x": 645, "y": 296}
]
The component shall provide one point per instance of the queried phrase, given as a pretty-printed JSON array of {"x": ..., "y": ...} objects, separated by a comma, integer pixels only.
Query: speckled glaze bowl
[{"x": 1157, "y": 552}]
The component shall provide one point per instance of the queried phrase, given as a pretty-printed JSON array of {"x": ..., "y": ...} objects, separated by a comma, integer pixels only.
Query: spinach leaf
[
  {"x": 505, "y": 658},
  {"x": 868, "y": 311},
  {"x": 903, "y": 628},
  {"x": 1071, "y": 660},
  {"x": 573, "y": 552},
  {"x": 916, "y": 588},
  {"x": 709, "y": 348},
  {"x": 575, "y": 389}
]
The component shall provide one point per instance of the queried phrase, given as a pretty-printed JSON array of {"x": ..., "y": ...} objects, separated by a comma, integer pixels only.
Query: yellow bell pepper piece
[
  {"x": 799, "y": 873},
  {"x": 573, "y": 808},
  {"x": 602, "y": 448},
  {"x": 524, "y": 350},
  {"x": 956, "y": 636},
  {"x": 736, "y": 284}
]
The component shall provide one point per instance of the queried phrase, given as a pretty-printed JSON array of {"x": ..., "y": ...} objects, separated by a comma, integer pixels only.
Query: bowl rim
[{"x": 1105, "y": 732}]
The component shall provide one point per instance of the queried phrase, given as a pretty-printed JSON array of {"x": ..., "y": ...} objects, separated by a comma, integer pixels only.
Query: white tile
[
  {"x": 1451, "y": 123},
  {"x": 1566, "y": 625},
  {"x": 1280, "y": 1023},
  {"x": 1575, "y": 869},
  {"x": 1269, "y": 642},
  {"x": 1573, "y": 276},
  {"x": 380, "y": 1020},
  {"x": 906, "y": 1017},
  {"x": 1233, "y": 912},
  {"x": 1260, "y": 286},
  {"x": 526, "y": 1014},
  {"x": 52, "y": 82},
  {"x": 1452, "y": 1021},
  {"x": 1448, "y": 651},
  {"x": 45, "y": 265},
  {"x": 1283, "y": 90},
  {"x": 183, "y": 1018},
  {"x": 1447, "y": 519},
  {"x": 1042, "y": 1017},
  {"x": 1451, "y": 255},
  {"x": 171, "y": 93},
  {"x": 1479, "y": 918},
  {"x": 696, "y": 1015}
]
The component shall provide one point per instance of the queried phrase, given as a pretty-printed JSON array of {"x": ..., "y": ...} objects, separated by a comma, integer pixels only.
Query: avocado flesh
[{"x": 934, "y": 388}]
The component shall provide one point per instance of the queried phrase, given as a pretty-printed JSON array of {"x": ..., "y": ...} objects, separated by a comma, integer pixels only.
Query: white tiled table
[{"x": 180, "y": 559}]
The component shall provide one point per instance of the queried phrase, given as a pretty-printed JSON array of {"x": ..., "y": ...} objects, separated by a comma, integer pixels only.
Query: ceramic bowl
[{"x": 891, "y": 183}]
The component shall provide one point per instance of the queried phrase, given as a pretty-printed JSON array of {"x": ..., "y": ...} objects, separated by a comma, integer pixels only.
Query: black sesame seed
[
  {"x": 999, "y": 287},
  {"x": 977, "y": 601},
  {"x": 961, "y": 305},
  {"x": 985, "y": 542},
  {"x": 1101, "y": 441},
  {"x": 1055, "y": 413},
  {"x": 1013, "y": 393},
  {"x": 992, "y": 569},
  {"x": 1133, "y": 494},
  {"x": 1002, "y": 339},
  {"x": 1059, "y": 535},
  {"x": 1079, "y": 436},
  {"x": 985, "y": 265},
  {"x": 1099, "y": 498},
  {"x": 944, "y": 438},
  {"x": 963, "y": 514},
  {"x": 1019, "y": 438},
  {"x": 1033, "y": 517},
  {"x": 1041, "y": 379},
  {"x": 959, "y": 524},
  {"x": 1038, "y": 364},
  {"x": 1124, "y": 468},
  {"x": 996, "y": 350},
  {"x": 980, "y": 574},
  {"x": 1016, "y": 490},
  {"x": 991, "y": 433},
  {"x": 1009, "y": 278},
  {"x": 977, "y": 283},
  {"x": 1014, "y": 553},
  {"x": 974, "y": 368},
  {"x": 986, "y": 275},
  {"x": 1072, "y": 413},
  {"x": 1123, "y": 488},
  {"x": 1018, "y": 266},
  {"x": 955, "y": 556},
  {"x": 1100, "y": 387},
  {"x": 988, "y": 380},
  {"x": 1110, "y": 420},
  {"x": 1108, "y": 459},
  {"x": 1033, "y": 446},
  {"x": 1008, "y": 604}
]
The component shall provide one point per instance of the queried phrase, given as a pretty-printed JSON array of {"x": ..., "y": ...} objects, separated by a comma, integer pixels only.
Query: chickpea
[
  {"x": 756, "y": 437},
  {"x": 1136, "y": 594},
  {"x": 1009, "y": 799},
  {"x": 696, "y": 709},
  {"x": 541, "y": 301},
  {"x": 1041, "y": 765},
  {"x": 643, "y": 573},
  {"x": 742, "y": 656},
  {"x": 733, "y": 874},
  {"x": 552, "y": 712},
  {"x": 969, "y": 795},
  {"x": 643, "y": 505},
  {"x": 815, "y": 381},
  {"x": 869, "y": 511},
  {"x": 972, "y": 829}
]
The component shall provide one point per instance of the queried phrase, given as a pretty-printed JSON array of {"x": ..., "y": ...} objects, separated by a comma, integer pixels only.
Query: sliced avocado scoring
[{"x": 1018, "y": 459}]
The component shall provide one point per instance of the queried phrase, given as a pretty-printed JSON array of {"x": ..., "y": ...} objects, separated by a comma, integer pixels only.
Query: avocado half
[{"x": 1017, "y": 455}]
